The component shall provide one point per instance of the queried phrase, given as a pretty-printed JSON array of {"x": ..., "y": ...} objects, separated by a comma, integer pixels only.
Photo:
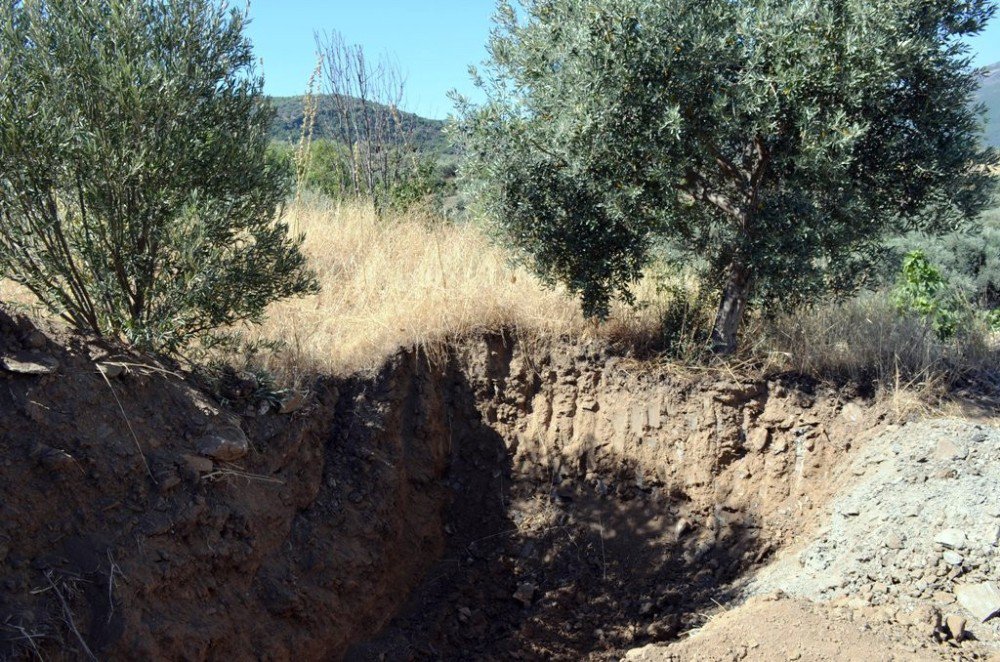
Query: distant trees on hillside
[{"x": 370, "y": 148}]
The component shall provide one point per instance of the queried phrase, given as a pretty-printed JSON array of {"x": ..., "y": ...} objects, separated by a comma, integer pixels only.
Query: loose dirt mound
[
  {"x": 498, "y": 503},
  {"x": 906, "y": 559}
]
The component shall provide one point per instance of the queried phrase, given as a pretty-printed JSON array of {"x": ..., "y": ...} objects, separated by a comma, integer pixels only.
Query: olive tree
[
  {"x": 776, "y": 142},
  {"x": 137, "y": 197}
]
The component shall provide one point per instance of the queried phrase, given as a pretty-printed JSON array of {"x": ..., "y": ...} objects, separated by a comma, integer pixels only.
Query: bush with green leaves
[
  {"x": 777, "y": 142},
  {"x": 137, "y": 197},
  {"x": 923, "y": 289},
  {"x": 969, "y": 259}
]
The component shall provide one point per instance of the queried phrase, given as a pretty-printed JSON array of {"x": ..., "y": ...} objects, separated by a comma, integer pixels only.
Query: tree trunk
[{"x": 734, "y": 300}]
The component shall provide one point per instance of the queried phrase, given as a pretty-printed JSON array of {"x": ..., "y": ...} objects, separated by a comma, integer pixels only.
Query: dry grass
[
  {"x": 409, "y": 279},
  {"x": 866, "y": 341}
]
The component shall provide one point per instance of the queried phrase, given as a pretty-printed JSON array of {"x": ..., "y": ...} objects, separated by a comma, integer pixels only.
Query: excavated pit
[{"x": 498, "y": 503}]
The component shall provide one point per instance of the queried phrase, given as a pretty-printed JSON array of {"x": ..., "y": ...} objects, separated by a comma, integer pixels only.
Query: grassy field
[{"x": 410, "y": 279}]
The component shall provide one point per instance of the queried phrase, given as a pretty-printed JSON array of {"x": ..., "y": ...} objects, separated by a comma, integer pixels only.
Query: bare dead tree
[{"x": 366, "y": 95}]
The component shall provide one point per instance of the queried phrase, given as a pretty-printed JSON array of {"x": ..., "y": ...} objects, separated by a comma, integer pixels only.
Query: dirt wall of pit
[{"x": 142, "y": 519}]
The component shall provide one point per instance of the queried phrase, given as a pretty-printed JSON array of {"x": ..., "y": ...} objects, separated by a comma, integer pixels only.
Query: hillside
[
  {"x": 428, "y": 134},
  {"x": 989, "y": 94}
]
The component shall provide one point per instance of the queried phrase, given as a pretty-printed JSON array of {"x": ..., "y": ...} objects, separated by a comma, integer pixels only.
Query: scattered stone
[
  {"x": 198, "y": 464},
  {"x": 645, "y": 608},
  {"x": 850, "y": 511},
  {"x": 951, "y": 538},
  {"x": 948, "y": 450},
  {"x": 29, "y": 363},
  {"x": 852, "y": 412},
  {"x": 56, "y": 460},
  {"x": 943, "y": 597},
  {"x": 926, "y": 620},
  {"x": 956, "y": 626},
  {"x": 682, "y": 527},
  {"x": 758, "y": 439},
  {"x": 894, "y": 541},
  {"x": 293, "y": 402},
  {"x": 953, "y": 558},
  {"x": 111, "y": 370},
  {"x": 226, "y": 444},
  {"x": 525, "y": 593},
  {"x": 982, "y": 600}
]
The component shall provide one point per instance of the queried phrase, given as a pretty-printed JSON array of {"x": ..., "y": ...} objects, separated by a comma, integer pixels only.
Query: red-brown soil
[{"x": 498, "y": 503}]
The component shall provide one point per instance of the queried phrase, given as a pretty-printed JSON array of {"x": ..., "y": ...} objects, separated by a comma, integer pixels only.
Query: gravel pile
[{"x": 919, "y": 524}]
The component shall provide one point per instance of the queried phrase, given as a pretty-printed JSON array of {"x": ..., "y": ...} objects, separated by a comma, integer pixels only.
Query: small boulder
[
  {"x": 953, "y": 558},
  {"x": 36, "y": 340},
  {"x": 293, "y": 402},
  {"x": 951, "y": 538},
  {"x": 982, "y": 600},
  {"x": 226, "y": 444},
  {"x": 111, "y": 370},
  {"x": 758, "y": 439},
  {"x": 956, "y": 626}
]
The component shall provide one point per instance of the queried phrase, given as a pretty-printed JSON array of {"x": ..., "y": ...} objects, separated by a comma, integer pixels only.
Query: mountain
[
  {"x": 427, "y": 134},
  {"x": 989, "y": 94}
]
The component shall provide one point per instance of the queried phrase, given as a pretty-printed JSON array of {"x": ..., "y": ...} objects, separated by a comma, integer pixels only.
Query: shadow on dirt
[{"x": 544, "y": 567}]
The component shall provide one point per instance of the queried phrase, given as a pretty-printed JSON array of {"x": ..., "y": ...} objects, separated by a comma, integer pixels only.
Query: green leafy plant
[
  {"x": 137, "y": 196},
  {"x": 923, "y": 290},
  {"x": 778, "y": 143}
]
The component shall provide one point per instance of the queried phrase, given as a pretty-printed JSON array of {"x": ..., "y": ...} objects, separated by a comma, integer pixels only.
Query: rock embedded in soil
[
  {"x": 226, "y": 444},
  {"x": 525, "y": 593},
  {"x": 29, "y": 363},
  {"x": 198, "y": 463}
]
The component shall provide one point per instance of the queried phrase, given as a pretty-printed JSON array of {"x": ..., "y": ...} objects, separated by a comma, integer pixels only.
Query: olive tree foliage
[
  {"x": 137, "y": 197},
  {"x": 775, "y": 141}
]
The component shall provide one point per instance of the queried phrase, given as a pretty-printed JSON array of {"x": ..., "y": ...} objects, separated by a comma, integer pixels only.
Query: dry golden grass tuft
[
  {"x": 410, "y": 279},
  {"x": 865, "y": 340}
]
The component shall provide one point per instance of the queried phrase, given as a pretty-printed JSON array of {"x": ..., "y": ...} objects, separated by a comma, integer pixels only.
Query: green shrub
[
  {"x": 968, "y": 259},
  {"x": 137, "y": 196},
  {"x": 923, "y": 289}
]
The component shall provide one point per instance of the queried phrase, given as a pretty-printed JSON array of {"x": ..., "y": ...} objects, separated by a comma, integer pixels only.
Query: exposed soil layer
[{"x": 498, "y": 503}]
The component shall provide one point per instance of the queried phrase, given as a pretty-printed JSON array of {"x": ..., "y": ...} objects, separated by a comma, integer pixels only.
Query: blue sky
[{"x": 434, "y": 41}]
